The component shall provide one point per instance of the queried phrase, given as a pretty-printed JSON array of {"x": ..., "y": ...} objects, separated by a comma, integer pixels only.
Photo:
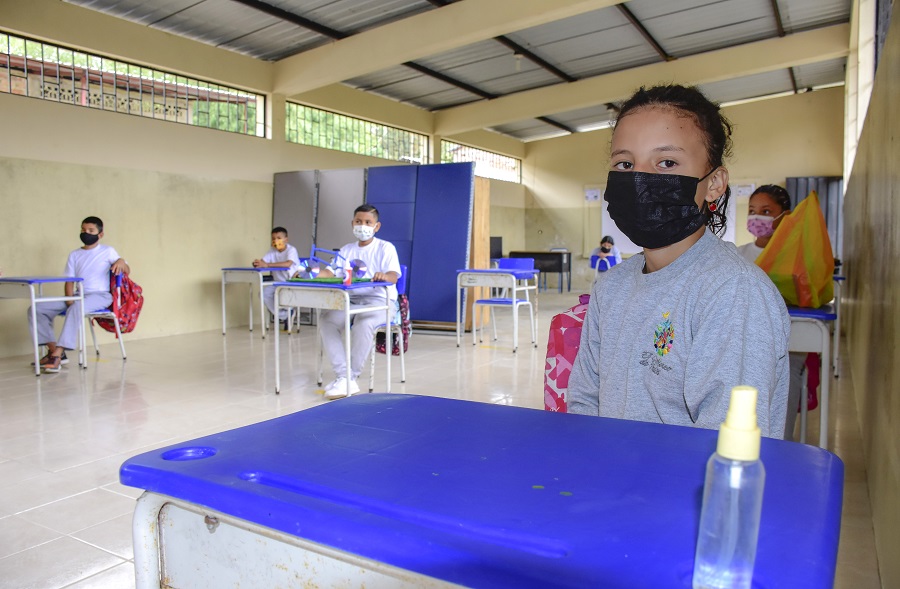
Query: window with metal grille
[
  {"x": 320, "y": 128},
  {"x": 487, "y": 163},
  {"x": 51, "y": 72}
]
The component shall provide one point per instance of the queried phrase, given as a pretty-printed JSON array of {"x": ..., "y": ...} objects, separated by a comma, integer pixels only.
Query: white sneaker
[
  {"x": 352, "y": 388},
  {"x": 341, "y": 388}
]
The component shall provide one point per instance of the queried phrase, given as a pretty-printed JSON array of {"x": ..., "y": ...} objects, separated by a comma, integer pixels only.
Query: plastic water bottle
[{"x": 732, "y": 500}]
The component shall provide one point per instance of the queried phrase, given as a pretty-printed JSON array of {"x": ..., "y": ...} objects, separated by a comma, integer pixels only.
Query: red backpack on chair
[
  {"x": 562, "y": 347},
  {"x": 128, "y": 299}
]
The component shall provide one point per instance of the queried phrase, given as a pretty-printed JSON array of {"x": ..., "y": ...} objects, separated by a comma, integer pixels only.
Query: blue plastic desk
[
  {"x": 482, "y": 495},
  {"x": 32, "y": 288},
  {"x": 329, "y": 295},
  {"x": 809, "y": 333},
  {"x": 506, "y": 278}
]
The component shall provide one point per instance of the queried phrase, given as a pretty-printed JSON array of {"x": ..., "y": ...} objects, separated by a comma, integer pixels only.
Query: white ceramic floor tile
[
  {"x": 16, "y": 471},
  {"x": 80, "y": 511},
  {"x": 55, "y": 564},
  {"x": 118, "y": 577},
  {"x": 17, "y": 534},
  {"x": 113, "y": 535}
]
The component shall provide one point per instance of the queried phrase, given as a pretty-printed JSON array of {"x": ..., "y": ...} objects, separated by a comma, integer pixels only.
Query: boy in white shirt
[
  {"x": 382, "y": 265},
  {"x": 93, "y": 262},
  {"x": 281, "y": 255}
]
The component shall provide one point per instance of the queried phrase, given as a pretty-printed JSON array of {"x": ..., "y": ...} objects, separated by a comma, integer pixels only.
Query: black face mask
[
  {"x": 89, "y": 238},
  {"x": 605, "y": 250},
  {"x": 654, "y": 210}
]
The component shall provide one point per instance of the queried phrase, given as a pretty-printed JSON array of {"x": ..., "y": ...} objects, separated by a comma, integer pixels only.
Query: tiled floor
[{"x": 65, "y": 520}]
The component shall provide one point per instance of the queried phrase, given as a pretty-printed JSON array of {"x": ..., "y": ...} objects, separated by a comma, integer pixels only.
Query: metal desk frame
[
  {"x": 330, "y": 296},
  {"x": 253, "y": 277},
  {"x": 811, "y": 335},
  {"x": 23, "y": 287},
  {"x": 495, "y": 278}
]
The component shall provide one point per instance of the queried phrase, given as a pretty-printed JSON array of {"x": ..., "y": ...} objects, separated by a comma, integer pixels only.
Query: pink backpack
[{"x": 562, "y": 347}]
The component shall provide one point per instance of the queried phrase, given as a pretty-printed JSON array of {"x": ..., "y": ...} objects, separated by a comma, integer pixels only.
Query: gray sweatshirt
[{"x": 668, "y": 346}]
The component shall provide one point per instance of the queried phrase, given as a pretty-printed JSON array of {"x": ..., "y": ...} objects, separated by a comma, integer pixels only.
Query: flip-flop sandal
[
  {"x": 44, "y": 360},
  {"x": 53, "y": 364}
]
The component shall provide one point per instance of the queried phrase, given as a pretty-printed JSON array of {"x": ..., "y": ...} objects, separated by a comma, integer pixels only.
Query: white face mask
[{"x": 363, "y": 232}]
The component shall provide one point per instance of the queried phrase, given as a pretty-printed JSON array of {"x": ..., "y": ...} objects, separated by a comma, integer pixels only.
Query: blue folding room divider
[
  {"x": 442, "y": 232},
  {"x": 392, "y": 190}
]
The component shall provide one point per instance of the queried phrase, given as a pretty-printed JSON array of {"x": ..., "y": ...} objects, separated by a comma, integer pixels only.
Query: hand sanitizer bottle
[{"x": 732, "y": 500}]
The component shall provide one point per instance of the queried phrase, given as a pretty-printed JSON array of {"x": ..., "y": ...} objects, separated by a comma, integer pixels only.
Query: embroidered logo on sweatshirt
[{"x": 665, "y": 336}]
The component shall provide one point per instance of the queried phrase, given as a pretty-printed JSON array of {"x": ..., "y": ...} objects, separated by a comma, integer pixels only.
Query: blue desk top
[
  {"x": 39, "y": 279},
  {"x": 823, "y": 313},
  {"x": 252, "y": 269},
  {"x": 494, "y": 496},
  {"x": 518, "y": 274},
  {"x": 332, "y": 285}
]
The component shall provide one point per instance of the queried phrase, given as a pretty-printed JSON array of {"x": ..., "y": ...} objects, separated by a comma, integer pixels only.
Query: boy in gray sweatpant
[{"x": 92, "y": 263}]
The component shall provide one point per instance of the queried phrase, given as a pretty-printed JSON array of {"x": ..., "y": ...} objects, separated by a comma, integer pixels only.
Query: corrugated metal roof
[
  {"x": 491, "y": 67},
  {"x": 587, "y": 45},
  {"x": 748, "y": 86},
  {"x": 385, "y": 77},
  {"x": 354, "y": 16},
  {"x": 798, "y": 15},
  {"x": 686, "y": 27},
  {"x": 414, "y": 88},
  {"x": 139, "y": 11},
  {"x": 528, "y": 130},
  {"x": 584, "y": 118},
  {"x": 215, "y": 23},
  {"x": 823, "y": 73},
  {"x": 275, "y": 41}
]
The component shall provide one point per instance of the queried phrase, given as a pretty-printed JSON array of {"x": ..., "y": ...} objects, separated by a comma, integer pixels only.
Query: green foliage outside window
[{"x": 320, "y": 128}]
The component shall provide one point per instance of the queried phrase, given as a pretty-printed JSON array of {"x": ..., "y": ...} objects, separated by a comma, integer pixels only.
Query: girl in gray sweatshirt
[{"x": 670, "y": 331}]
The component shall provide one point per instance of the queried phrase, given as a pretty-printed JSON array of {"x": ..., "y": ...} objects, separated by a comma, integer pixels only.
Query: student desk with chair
[
  {"x": 414, "y": 491},
  {"x": 254, "y": 278},
  {"x": 317, "y": 294},
  {"x": 559, "y": 262},
  {"x": 514, "y": 280},
  {"x": 810, "y": 333},
  {"x": 32, "y": 288}
]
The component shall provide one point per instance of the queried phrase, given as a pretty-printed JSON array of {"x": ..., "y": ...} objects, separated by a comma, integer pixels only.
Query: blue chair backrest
[
  {"x": 594, "y": 261},
  {"x": 401, "y": 282},
  {"x": 516, "y": 263}
]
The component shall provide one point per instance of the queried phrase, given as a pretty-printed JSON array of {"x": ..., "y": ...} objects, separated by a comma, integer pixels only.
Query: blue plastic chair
[
  {"x": 602, "y": 264},
  {"x": 505, "y": 301},
  {"x": 395, "y": 328}
]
